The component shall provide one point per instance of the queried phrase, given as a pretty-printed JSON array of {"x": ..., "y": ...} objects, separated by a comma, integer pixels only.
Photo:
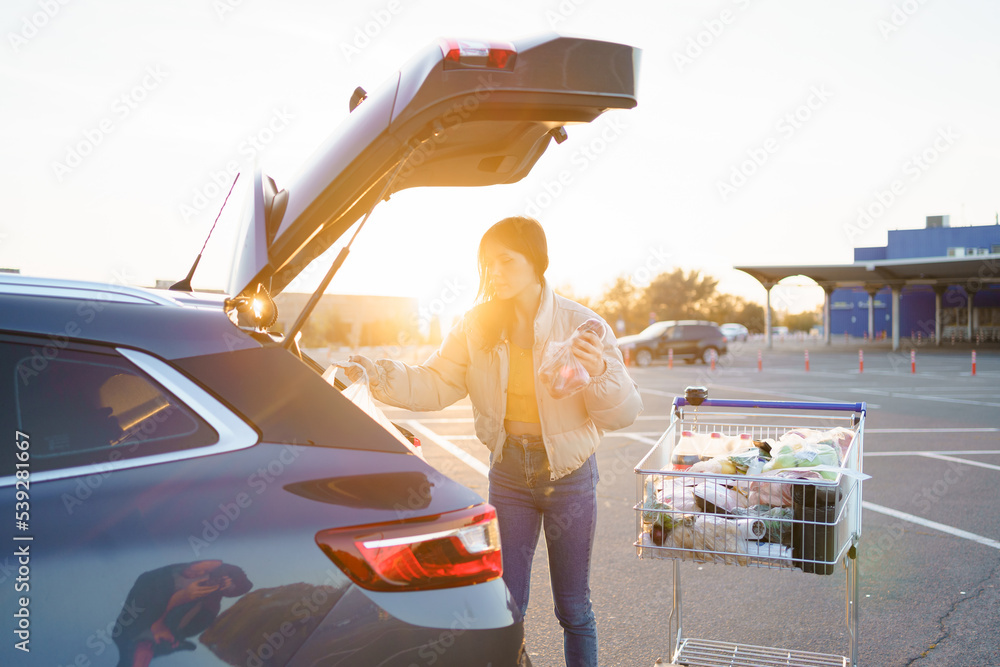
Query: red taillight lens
[
  {"x": 453, "y": 549},
  {"x": 462, "y": 54}
]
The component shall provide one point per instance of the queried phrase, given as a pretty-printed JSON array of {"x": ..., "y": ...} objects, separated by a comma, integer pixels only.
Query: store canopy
[{"x": 979, "y": 270}]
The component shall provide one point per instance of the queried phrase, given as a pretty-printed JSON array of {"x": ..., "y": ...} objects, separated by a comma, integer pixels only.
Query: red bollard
[
  {"x": 760, "y": 362},
  {"x": 626, "y": 356},
  {"x": 807, "y": 361},
  {"x": 670, "y": 358},
  {"x": 913, "y": 361},
  {"x": 713, "y": 359},
  {"x": 861, "y": 361},
  {"x": 973, "y": 362}
]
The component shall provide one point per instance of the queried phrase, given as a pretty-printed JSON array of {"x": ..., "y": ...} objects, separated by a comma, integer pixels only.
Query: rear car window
[{"x": 90, "y": 406}]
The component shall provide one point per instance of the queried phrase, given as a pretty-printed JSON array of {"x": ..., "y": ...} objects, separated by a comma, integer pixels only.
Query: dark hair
[{"x": 525, "y": 236}]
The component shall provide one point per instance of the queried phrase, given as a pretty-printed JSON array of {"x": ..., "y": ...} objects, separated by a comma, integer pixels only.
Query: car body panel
[
  {"x": 125, "y": 524},
  {"x": 105, "y": 317},
  {"x": 690, "y": 340}
]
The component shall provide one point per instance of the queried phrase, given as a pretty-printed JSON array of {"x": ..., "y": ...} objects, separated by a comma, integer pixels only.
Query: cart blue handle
[{"x": 680, "y": 402}]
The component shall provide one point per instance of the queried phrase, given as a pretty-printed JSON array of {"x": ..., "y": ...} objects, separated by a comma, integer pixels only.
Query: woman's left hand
[{"x": 588, "y": 350}]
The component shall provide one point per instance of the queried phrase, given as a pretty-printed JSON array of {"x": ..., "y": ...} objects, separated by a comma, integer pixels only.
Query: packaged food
[{"x": 560, "y": 371}]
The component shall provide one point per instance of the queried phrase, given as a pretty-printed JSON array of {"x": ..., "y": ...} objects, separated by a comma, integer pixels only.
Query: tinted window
[{"x": 83, "y": 406}]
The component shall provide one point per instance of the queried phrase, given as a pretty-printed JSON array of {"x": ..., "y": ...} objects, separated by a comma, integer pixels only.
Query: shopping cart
[{"x": 800, "y": 509}]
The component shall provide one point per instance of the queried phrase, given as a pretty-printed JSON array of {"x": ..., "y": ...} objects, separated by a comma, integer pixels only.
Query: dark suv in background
[{"x": 689, "y": 340}]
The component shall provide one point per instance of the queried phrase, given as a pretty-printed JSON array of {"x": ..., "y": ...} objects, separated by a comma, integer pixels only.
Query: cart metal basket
[{"x": 801, "y": 511}]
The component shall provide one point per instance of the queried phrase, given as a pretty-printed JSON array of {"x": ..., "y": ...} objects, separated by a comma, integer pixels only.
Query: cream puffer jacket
[{"x": 571, "y": 427}]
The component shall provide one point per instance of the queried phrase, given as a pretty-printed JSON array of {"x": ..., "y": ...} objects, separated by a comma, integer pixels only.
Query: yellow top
[{"x": 522, "y": 406}]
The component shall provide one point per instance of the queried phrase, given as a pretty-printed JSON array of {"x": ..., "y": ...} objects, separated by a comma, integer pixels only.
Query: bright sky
[{"x": 763, "y": 127}]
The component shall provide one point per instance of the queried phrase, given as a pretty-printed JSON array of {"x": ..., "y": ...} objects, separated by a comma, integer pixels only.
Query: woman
[{"x": 543, "y": 470}]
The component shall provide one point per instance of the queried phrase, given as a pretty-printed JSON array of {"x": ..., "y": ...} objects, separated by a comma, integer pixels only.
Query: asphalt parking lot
[{"x": 928, "y": 554}]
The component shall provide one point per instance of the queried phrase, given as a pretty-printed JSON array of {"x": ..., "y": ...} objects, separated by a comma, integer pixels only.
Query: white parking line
[
  {"x": 986, "y": 429},
  {"x": 925, "y": 397},
  {"x": 965, "y": 535},
  {"x": 964, "y": 452},
  {"x": 978, "y": 464},
  {"x": 450, "y": 447},
  {"x": 640, "y": 437}
]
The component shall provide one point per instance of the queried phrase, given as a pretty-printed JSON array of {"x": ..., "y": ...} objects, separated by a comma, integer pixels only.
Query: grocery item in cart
[
  {"x": 715, "y": 539},
  {"x": 717, "y": 497},
  {"x": 777, "y": 522},
  {"x": 814, "y": 532},
  {"x": 777, "y": 493},
  {"x": 803, "y": 454},
  {"x": 687, "y": 451},
  {"x": 692, "y": 447}
]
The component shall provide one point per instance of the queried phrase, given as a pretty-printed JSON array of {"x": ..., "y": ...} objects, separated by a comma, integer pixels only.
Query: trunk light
[
  {"x": 453, "y": 549},
  {"x": 463, "y": 54}
]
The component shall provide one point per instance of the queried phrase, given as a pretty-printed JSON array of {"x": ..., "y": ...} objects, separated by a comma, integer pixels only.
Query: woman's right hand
[{"x": 354, "y": 373}]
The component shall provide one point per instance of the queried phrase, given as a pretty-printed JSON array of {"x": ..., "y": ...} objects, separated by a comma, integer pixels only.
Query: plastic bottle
[{"x": 686, "y": 452}]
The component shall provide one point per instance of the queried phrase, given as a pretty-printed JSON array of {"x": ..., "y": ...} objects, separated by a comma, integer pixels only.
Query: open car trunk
[{"x": 459, "y": 114}]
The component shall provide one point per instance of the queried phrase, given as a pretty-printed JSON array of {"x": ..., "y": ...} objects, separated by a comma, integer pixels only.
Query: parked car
[
  {"x": 734, "y": 332},
  {"x": 690, "y": 340},
  {"x": 185, "y": 481}
]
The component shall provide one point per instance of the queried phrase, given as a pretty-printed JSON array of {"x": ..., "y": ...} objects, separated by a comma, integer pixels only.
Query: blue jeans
[{"x": 526, "y": 501}]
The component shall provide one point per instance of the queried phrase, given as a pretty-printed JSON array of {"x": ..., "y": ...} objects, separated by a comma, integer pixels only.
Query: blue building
[{"x": 935, "y": 283}]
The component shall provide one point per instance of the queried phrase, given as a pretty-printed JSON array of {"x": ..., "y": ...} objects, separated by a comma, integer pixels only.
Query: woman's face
[{"x": 509, "y": 271}]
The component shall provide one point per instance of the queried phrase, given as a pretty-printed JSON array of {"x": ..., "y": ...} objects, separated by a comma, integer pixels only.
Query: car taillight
[
  {"x": 442, "y": 551},
  {"x": 463, "y": 54}
]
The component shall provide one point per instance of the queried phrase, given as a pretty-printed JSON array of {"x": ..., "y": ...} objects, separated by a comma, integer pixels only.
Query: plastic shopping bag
[
  {"x": 560, "y": 371},
  {"x": 359, "y": 393}
]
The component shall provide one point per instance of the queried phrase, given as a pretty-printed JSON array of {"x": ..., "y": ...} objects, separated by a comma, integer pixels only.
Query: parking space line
[
  {"x": 978, "y": 464},
  {"x": 450, "y": 447},
  {"x": 934, "y": 525},
  {"x": 925, "y": 397},
  {"x": 446, "y": 420},
  {"x": 965, "y": 452},
  {"x": 639, "y": 437},
  {"x": 985, "y": 429}
]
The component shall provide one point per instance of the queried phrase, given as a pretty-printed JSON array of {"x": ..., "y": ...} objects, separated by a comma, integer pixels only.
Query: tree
[
  {"x": 677, "y": 295},
  {"x": 801, "y": 321},
  {"x": 621, "y": 302},
  {"x": 752, "y": 317}
]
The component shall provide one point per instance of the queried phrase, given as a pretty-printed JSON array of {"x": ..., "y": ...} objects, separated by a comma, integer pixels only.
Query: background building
[
  {"x": 937, "y": 283},
  {"x": 849, "y": 307}
]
